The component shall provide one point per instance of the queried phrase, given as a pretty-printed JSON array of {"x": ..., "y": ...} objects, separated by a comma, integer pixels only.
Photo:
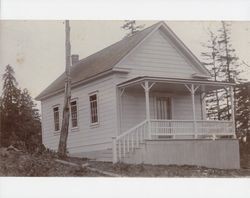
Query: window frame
[
  {"x": 77, "y": 113},
  {"x": 54, "y": 124},
  {"x": 94, "y": 124}
]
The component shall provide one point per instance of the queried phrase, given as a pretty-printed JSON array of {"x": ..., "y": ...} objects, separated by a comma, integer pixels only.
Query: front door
[
  {"x": 162, "y": 112},
  {"x": 163, "y": 108}
]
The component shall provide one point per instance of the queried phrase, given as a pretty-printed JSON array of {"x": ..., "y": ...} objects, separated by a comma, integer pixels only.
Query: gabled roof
[
  {"x": 105, "y": 59},
  {"x": 98, "y": 62}
]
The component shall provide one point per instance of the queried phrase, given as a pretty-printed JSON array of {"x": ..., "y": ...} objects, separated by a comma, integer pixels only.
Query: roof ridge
[{"x": 155, "y": 24}]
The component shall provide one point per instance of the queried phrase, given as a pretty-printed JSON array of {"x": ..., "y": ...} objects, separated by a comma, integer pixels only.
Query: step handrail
[
  {"x": 130, "y": 130},
  {"x": 128, "y": 141}
]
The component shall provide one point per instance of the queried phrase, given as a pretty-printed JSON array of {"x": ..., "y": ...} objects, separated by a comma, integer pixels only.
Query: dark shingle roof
[{"x": 98, "y": 62}]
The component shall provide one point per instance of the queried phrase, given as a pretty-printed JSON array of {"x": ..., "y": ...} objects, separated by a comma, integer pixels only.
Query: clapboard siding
[
  {"x": 182, "y": 107},
  {"x": 133, "y": 109},
  {"x": 86, "y": 137},
  {"x": 157, "y": 56}
]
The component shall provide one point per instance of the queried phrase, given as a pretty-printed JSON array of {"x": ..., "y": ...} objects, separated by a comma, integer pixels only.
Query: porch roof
[{"x": 210, "y": 85}]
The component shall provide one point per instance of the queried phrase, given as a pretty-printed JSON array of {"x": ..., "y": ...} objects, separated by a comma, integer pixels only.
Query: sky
[{"x": 36, "y": 49}]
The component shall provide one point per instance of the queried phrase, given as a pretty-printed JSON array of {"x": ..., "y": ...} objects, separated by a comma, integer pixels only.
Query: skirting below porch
[{"x": 221, "y": 153}]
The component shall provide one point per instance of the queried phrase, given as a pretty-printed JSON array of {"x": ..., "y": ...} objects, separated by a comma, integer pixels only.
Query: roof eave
[{"x": 102, "y": 74}]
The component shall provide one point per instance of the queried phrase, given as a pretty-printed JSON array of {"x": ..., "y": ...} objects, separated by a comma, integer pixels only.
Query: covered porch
[
  {"x": 172, "y": 108},
  {"x": 152, "y": 109}
]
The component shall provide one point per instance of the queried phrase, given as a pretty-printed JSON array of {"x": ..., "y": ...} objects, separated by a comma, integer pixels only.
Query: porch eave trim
[{"x": 171, "y": 80}]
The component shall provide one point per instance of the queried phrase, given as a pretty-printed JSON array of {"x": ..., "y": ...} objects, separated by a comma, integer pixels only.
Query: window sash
[
  {"x": 56, "y": 119},
  {"x": 93, "y": 108},
  {"x": 74, "y": 121}
]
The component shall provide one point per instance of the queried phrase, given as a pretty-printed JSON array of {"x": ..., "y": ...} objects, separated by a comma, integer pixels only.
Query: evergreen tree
[
  {"x": 210, "y": 58},
  {"x": 131, "y": 27},
  {"x": 1, "y": 121},
  {"x": 10, "y": 106},
  {"x": 30, "y": 130},
  {"x": 20, "y": 119},
  {"x": 221, "y": 60},
  {"x": 243, "y": 109},
  {"x": 229, "y": 63},
  {"x": 228, "y": 59}
]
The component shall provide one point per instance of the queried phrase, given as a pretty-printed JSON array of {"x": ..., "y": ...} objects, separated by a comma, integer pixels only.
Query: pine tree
[
  {"x": 243, "y": 109},
  {"x": 221, "y": 60},
  {"x": 131, "y": 27},
  {"x": 229, "y": 64},
  {"x": 30, "y": 130},
  {"x": 210, "y": 58},
  {"x": 20, "y": 120},
  {"x": 10, "y": 106},
  {"x": 1, "y": 121}
]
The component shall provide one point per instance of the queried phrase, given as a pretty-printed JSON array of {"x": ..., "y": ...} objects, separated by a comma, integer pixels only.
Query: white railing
[
  {"x": 215, "y": 127},
  {"x": 204, "y": 128},
  {"x": 129, "y": 140},
  {"x": 171, "y": 127}
]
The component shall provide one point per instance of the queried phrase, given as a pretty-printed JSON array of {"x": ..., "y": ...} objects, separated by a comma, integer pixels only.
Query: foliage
[
  {"x": 131, "y": 27},
  {"x": 210, "y": 60},
  {"x": 243, "y": 110},
  {"x": 229, "y": 63},
  {"x": 20, "y": 120},
  {"x": 228, "y": 59},
  {"x": 9, "y": 106},
  {"x": 222, "y": 62}
]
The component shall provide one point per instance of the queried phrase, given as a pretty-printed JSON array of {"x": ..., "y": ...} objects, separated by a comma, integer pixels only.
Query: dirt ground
[
  {"x": 19, "y": 163},
  {"x": 24, "y": 164}
]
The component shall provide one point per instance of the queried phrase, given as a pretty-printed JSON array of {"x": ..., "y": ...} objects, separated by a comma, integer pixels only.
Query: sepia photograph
[
  {"x": 125, "y": 98},
  {"x": 134, "y": 98}
]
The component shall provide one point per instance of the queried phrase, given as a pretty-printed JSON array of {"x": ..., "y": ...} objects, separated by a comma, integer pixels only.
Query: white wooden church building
[{"x": 141, "y": 100}]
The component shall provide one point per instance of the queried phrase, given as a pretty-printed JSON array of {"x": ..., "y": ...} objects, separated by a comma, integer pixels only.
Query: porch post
[
  {"x": 121, "y": 92},
  {"x": 203, "y": 103},
  {"x": 114, "y": 150},
  {"x": 193, "y": 105},
  {"x": 192, "y": 90},
  {"x": 232, "y": 107},
  {"x": 146, "y": 89}
]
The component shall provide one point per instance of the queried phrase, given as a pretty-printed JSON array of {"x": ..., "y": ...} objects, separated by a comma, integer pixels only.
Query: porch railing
[
  {"x": 131, "y": 139},
  {"x": 204, "y": 128}
]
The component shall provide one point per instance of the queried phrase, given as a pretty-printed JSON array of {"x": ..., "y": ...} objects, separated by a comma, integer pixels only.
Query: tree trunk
[
  {"x": 62, "y": 148},
  {"x": 218, "y": 105}
]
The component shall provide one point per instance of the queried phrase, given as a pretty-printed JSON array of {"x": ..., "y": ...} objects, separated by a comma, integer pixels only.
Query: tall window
[
  {"x": 93, "y": 108},
  {"x": 56, "y": 118},
  {"x": 73, "y": 106}
]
